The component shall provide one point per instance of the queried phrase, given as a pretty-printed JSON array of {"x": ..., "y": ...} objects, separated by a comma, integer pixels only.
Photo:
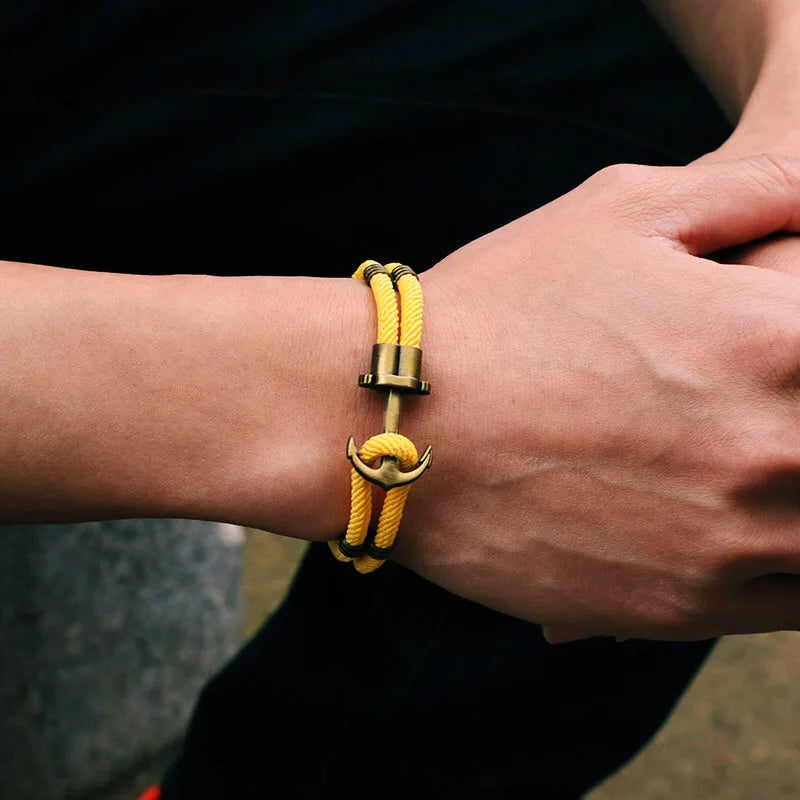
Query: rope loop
[
  {"x": 390, "y": 444},
  {"x": 398, "y": 324}
]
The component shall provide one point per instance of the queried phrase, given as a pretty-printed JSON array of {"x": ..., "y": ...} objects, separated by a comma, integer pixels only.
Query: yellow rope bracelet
[{"x": 396, "y": 367}]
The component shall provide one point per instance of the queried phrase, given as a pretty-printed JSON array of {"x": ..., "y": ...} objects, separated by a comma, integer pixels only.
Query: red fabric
[{"x": 153, "y": 793}]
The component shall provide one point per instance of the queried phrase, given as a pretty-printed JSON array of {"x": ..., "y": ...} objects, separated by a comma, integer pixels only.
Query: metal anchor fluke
[{"x": 388, "y": 475}]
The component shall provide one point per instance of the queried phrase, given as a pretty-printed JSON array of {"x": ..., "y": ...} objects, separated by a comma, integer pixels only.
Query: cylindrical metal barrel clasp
[{"x": 396, "y": 367}]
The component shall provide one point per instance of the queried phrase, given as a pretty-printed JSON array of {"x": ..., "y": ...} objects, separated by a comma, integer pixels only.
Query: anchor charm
[
  {"x": 388, "y": 475},
  {"x": 395, "y": 369}
]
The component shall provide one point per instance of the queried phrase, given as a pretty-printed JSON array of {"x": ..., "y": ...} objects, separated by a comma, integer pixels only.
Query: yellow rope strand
[
  {"x": 360, "y": 514},
  {"x": 404, "y": 327},
  {"x": 411, "y": 308},
  {"x": 391, "y": 514},
  {"x": 385, "y": 302}
]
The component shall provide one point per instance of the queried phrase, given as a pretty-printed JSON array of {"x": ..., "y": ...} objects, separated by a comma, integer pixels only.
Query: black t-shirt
[{"x": 301, "y": 138}]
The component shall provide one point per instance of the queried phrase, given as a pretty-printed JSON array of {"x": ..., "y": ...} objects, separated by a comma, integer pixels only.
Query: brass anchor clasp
[
  {"x": 388, "y": 475},
  {"x": 395, "y": 369}
]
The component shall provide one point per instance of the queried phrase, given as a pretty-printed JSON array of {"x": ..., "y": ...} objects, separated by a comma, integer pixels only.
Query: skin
[
  {"x": 180, "y": 395},
  {"x": 618, "y": 493},
  {"x": 747, "y": 53},
  {"x": 616, "y": 433},
  {"x": 610, "y": 493}
]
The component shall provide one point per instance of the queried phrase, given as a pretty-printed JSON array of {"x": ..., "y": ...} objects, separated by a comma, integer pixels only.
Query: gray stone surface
[
  {"x": 107, "y": 632},
  {"x": 733, "y": 736}
]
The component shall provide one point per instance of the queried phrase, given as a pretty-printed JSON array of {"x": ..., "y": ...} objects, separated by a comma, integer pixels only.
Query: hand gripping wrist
[{"x": 396, "y": 366}]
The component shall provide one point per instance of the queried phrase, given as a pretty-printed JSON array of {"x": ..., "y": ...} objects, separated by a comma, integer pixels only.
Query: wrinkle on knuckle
[
  {"x": 738, "y": 552},
  {"x": 765, "y": 341},
  {"x": 758, "y": 469},
  {"x": 781, "y": 169},
  {"x": 684, "y": 611},
  {"x": 679, "y": 601},
  {"x": 755, "y": 446},
  {"x": 644, "y": 198},
  {"x": 769, "y": 483}
]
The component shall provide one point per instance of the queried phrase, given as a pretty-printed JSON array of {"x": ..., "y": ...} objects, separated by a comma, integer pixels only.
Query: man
[{"x": 613, "y": 413}]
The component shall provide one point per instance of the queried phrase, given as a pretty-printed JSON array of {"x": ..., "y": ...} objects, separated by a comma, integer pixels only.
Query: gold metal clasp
[
  {"x": 395, "y": 369},
  {"x": 388, "y": 475}
]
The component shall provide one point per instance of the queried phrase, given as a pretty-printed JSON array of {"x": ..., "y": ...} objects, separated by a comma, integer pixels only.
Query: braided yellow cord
[
  {"x": 382, "y": 444},
  {"x": 388, "y": 525},
  {"x": 393, "y": 328},
  {"x": 385, "y": 302},
  {"x": 360, "y": 513},
  {"x": 411, "y": 308}
]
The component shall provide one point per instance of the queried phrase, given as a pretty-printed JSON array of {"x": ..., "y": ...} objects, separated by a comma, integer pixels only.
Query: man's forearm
[
  {"x": 748, "y": 54},
  {"x": 193, "y": 396}
]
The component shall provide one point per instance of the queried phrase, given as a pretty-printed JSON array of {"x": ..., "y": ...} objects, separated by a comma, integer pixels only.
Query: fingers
[
  {"x": 780, "y": 253},
  {"x": 737, "y": 201},
  {"x": 705, "y": 207}
]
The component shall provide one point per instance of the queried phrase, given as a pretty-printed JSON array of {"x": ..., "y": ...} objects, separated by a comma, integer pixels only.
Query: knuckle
[
  {"x": 623, "y": 176},
  {"x": 764, "y": 470},
  {"x": 698, "y": 610},
  {"x": 685, "y": 612},
  {"x": 778, "y": 169},
  {"x": 679, "y": 603},
  {"x": 765, "y": 340},
  {"x": 634, "y": 194},
  {"x": 735, "y": 553}
]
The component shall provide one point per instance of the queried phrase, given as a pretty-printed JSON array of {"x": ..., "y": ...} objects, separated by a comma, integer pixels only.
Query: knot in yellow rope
[{"x": 390, "y": 444}]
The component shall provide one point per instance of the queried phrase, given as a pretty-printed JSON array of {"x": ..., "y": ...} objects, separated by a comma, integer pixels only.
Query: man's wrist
[
  {"x": 748, "y": 54},
  {"x": 769, "y": 118},
  {"x": 291, "y": 470},
  {"x": 292, "y": 477},
  {"x": 770, "y": 123},
  {"x": 221, "y": 398},
  {"x": 765, "y": 127},
  {"x": 754, "y": 140}
]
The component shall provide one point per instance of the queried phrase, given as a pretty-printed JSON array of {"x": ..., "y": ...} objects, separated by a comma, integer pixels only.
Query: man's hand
[{"x": 616, "y": 418}]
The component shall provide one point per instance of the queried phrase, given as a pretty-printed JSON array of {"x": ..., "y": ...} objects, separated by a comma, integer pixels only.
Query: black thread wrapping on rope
[
  {"x": 374, "y": 269},
  {"x": 378, "y": 553},
  {"x": 350, "y": 550},
  {"x": 398, "y": 273}
]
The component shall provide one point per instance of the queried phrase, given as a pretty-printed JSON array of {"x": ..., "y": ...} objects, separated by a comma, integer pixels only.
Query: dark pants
[
  {"x": 393, "y": 688},
  {"x": 302, "y": 138}
]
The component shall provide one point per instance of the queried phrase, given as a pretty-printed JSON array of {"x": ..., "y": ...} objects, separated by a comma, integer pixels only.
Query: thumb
[{"x": 708, "y": 206}]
